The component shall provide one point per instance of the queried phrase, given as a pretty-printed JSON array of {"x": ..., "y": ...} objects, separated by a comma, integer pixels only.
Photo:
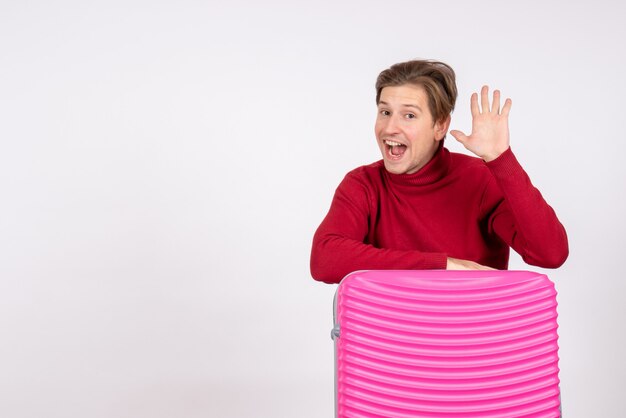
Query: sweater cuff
[
  {"x": 505, "y": 165},
  {"x": 434, "y": 261}
]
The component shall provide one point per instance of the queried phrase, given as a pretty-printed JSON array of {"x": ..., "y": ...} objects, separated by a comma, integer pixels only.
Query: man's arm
[
  {"x": 339, "y": 243},
  {"x": 521, "y": 218}
]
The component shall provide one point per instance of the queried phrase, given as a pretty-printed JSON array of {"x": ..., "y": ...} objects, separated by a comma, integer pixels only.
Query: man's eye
[
  {"x": 385, "y": 112},
  {"x": 410, "y": 116}
]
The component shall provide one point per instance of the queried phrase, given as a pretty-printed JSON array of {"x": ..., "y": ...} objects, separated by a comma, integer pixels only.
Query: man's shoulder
[
  {"x": 368, "y": 170},
  {"x": 368, "y": 176},
  {"x": 468, "y": 170},
  {"x": 462, "y": 162}
]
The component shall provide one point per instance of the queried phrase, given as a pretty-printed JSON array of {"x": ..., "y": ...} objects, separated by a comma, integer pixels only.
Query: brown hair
[{"x": 437, "y": 79}]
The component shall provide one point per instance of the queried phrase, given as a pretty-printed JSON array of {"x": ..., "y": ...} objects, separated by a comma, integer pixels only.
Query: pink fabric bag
[{"x": 446, "y": 344}]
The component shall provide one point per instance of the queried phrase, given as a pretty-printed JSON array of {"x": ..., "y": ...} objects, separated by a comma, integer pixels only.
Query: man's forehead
[{"x": 405, "y": 95}]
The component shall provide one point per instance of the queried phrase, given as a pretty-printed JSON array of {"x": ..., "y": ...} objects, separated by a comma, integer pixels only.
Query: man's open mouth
[{"x": 394, "y": 149}]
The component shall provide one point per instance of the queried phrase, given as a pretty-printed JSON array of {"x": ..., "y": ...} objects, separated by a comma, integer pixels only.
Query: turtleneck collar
[{"x": 433, "y": 171}]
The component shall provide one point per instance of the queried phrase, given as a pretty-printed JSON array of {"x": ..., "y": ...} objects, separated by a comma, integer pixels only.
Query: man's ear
[{"x": 441, "y": 128}]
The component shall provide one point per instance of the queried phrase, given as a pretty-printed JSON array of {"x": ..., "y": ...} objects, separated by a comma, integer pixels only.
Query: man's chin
[{"x": 395, "y": 168}]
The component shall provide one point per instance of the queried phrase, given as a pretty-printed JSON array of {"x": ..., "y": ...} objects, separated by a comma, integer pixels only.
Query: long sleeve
[
  {"x": 521, "y": 217},
  {"x": 340, "y": 243}
]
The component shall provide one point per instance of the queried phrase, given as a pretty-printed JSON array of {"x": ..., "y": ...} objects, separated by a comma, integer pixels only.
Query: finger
[
  {"x": 507, "y": 107},
  {"x": 474, "y": 105},
  {"x": 459, "y": 136},
  {"x": 495, "y": 106},
  {"x": 484, "y": 99}
]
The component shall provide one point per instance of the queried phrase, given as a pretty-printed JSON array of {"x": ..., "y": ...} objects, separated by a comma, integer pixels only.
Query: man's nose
[{"x": 391, "y": 125}]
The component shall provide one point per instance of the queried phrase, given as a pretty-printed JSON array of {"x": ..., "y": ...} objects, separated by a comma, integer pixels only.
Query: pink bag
[{"x": 455, "y": 344}]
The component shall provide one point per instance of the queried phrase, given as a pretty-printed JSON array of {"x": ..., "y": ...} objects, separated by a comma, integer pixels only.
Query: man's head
[
  {"x": 436, "y": 78},
  {"x": 414, "y": 99}
]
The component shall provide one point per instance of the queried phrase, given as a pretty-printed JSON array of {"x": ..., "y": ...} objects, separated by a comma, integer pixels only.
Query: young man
[{"x": 423, "y": 207}]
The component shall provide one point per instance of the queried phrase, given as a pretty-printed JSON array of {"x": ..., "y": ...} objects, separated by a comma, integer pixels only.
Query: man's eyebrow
[
  {"x": 405, "y": 105},
  {"x": 413, "y": 105}
]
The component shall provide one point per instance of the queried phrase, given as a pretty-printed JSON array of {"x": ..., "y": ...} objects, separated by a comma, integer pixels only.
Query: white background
[{"x": 163, "y": 166}]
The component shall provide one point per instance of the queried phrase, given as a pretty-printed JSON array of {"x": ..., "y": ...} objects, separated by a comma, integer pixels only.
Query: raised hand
[{"x": 490, "y": 126}]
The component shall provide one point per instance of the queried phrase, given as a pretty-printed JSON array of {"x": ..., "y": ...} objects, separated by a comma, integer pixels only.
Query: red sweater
[{"x": 455, "y": 206}]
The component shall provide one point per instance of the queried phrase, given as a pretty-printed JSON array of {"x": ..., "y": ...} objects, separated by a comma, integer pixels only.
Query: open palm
[{"x": 490, "y": 126}]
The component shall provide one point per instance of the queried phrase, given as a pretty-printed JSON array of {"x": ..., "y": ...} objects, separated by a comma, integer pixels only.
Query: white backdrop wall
[{"x": 163, "y": 166}]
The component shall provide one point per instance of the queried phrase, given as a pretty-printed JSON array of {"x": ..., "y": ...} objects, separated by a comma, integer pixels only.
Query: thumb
[{"x": 459, "y": 136}]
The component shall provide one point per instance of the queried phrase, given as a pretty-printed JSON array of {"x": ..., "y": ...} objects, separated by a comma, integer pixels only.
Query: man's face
[{"x": 405, "y": 131}]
